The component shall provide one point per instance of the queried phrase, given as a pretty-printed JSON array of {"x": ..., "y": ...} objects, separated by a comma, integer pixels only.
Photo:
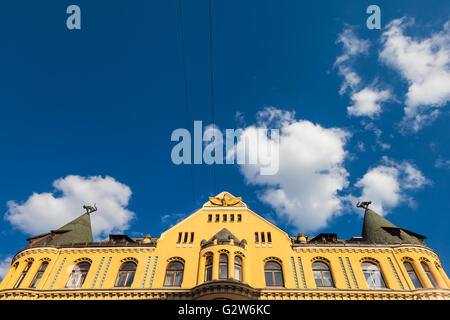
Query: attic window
[
  {"x": 209, "y": 217},
  {"x": 217, "y": 217},
  {"x": 224, "y": 219},
  {"x": 232, "y": 218},
  {"x": 239, "y": 218},
  {"x": 269, "y": 237}
]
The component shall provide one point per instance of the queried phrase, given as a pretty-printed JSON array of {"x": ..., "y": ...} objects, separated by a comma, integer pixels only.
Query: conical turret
[{"x": 377, "y": 229}]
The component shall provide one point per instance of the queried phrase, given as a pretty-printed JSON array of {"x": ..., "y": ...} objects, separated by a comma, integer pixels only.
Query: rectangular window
[
  {"x": 192, "y": 237},
  {"x": 269, "y": 237},
  {"x": 263, "y": 238},
  {"x": 224, "y": 219},
  {"x": 217, "y": 217},
  {"x": 179, "y": 237},
  {"x": 239, "y": 218},
  {"x": 256, "y": 237},
  {"x": 185, "y": 237},
  {"x": 232, "y": 218},
  {"x": 209, "y": 217}
]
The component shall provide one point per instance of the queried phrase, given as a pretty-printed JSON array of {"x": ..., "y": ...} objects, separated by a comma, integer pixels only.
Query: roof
[
  {"x": 77, "y": 231},
  {"x": 377, "y": 229},
  {"x": 224, "y": 235}
]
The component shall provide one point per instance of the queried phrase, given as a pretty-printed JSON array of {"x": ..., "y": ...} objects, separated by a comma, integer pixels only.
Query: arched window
[
  {"x": 23, "y": 274},
  {"x": 428, "y": 273},
  {"x": 174, "y": 274},
  {"x": 237, "y": 268},
  {"x": 39, "y": 274},
  {"x": 208, "y": 268},
  {"x": 78, "y": 275},
  {"x": 273, "y": 274},
  {"x": 126, "y": 274},
  {"x": 372, "y": 274},
  {"x": 322, "y": 274},
  {"x": 412, "y": 275},
  {"x": 223, "y": 266}
]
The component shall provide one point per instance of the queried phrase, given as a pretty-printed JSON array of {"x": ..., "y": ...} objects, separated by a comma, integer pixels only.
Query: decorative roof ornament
[
  {"x": 90, "y": 209},
  {"x": 225, "y": 199},
  {"x": 364, "y": 204}
]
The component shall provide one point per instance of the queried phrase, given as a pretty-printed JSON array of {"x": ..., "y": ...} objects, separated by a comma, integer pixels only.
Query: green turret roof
[
  {"x": 377, "y": 229},
  {"x": 76, "y": 231}
]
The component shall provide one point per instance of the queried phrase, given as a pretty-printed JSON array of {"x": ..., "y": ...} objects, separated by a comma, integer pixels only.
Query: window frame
[
  {"x": 80, "y": 273},
  {"x": 223, "y": 264},
  {"x": 429, "y": 274},
  {"x": 272, "y": 271},
  {"x": 412, "y": 271},
  {"x": 209, "y": 267},
  {"x": 238, "y": 267},
  {"x": 23, "y": 274},
  {"x": 127, "y": 275},
  {"x": 174, "y": 272},
  {"x": 38, "y": 276},
  {"x": 371, "y": 273},
  {"x": 321, "y": 272}
]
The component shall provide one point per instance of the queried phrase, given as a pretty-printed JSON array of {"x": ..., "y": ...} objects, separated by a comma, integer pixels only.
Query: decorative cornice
[
  {"x": 87, "y": 250},
  {"x": 224, "y": 288}
]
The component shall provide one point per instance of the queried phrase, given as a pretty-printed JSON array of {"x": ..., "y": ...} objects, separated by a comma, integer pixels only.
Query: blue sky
[{"x": 103, "y": 101}]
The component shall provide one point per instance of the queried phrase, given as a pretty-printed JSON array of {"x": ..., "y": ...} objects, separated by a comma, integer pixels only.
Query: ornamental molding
[
  {"x": 320, "y": 259},
  {"x": 129, "y": 259},
  {"x": 342, "y": 250},
  {"x": 407, "y": 259},
  {"x": 52, "y": 250},
  {"x": 224, "y": 288},
  {"x": 176, "y": 259},
  {"x": 239, "y": 253},
  {"x": 273, "y": 259},
  {"x": 369, "y": 259},
  {"x": 84, "y": 259},
  {"x": 208, "y": 253}
]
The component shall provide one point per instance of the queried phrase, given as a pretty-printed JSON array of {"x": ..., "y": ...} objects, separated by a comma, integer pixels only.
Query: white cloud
[
  {"x": 388, "y": 185},
  {"x": 425, "y": 64},
  {"x": 5, "y": 264},
  {"x": 311, "y": 173},
  {"x": 43, "y": 212},
  {"x": 377, "y": 132},
  {"x": 367, "y": 102},
  {"x": 442, "y": 163},
  {"x": 352, "y": 46}
]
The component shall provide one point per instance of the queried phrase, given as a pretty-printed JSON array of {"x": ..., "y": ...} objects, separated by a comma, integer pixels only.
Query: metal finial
[
  {"x": 364, "y": 204},
  {"x": 90, "y": 209}
]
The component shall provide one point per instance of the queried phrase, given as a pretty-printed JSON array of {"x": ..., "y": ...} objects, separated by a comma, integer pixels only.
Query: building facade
[{"x": 226, "y": 251}]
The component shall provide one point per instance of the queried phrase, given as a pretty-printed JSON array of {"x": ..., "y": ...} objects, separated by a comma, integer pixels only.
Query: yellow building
[{"x": 225, "y": 250}]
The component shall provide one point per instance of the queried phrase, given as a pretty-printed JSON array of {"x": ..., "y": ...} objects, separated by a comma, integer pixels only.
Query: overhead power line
[
  {"x": 186, "y": 97},
  {"x": 212, "y": 86}
]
